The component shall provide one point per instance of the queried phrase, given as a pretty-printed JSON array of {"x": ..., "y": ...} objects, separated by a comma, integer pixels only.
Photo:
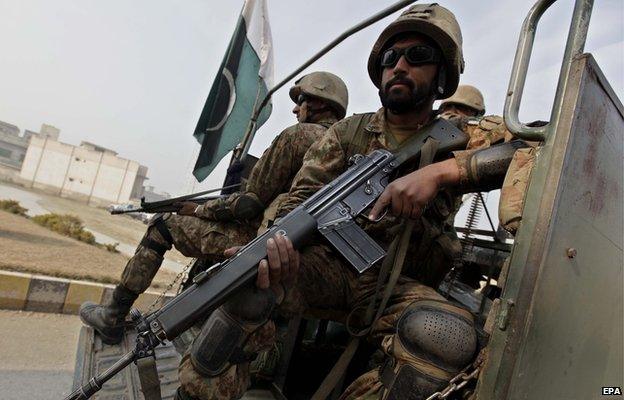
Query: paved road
[{"x": 37, "y": 354}]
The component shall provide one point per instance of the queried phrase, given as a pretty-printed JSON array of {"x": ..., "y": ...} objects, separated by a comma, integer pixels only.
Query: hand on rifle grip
[{"x": 186, "y": 207}]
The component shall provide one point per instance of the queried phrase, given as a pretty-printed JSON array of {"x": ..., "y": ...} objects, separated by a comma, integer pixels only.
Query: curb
[{"x": 19, "y": 291}]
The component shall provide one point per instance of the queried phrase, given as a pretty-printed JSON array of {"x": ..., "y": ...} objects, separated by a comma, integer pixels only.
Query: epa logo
[{"x": 611, "y": 391}]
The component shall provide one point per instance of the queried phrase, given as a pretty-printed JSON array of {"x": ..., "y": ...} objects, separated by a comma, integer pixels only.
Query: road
[{"x": 37, "y": 353}]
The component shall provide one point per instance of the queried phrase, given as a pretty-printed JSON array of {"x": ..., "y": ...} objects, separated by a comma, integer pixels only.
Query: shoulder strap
[
  {"x": 389, "y": 274},
  {"x": 355, "y": 138}
]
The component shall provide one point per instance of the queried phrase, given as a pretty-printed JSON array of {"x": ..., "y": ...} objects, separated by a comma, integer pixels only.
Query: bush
[
  {"x": 68, "y": 225},
  {"x": 13, "y": 207},
  {"x": 112, "y": 247}
]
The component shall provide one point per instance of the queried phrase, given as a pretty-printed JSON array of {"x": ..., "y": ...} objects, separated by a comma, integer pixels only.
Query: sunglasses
[
  {"x": 414, "y": 55},
  {"x": 302, "y": 98}
]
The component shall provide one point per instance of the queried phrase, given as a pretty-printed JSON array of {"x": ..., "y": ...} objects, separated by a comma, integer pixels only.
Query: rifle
[
  {"x": 169, "y": 205},
  {"x": 331, "y": 211}
]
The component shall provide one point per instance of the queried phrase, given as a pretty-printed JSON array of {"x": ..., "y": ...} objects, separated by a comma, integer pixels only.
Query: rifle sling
[
  {"x": 148, "y": 376},
  {"x": 395, "y": 258}
]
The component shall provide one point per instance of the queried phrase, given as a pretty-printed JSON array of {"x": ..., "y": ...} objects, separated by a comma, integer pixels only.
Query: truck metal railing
[{"x": 575, "y": 44}]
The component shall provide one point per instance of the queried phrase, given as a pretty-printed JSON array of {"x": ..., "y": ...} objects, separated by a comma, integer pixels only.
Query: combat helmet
[
  {"x": 325, "y": 86},
  {"x": 435, "y": 22},
  {"x": 469, "y": 96}
]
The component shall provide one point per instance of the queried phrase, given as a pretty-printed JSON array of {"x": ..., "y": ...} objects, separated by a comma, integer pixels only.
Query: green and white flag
[{"x": 243, "y": 80}]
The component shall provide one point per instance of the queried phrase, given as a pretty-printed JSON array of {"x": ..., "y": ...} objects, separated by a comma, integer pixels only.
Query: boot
[{"x": 108, "y": 319}]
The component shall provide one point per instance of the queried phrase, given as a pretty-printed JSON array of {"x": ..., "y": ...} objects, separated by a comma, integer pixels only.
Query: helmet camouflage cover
[
  {"x": 435, "y": 22},
  {"x": 469, "y": 96},
  {"x": 325, "y": 86}
]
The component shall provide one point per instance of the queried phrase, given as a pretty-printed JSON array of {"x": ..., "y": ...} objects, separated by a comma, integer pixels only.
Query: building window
[{"x": 5, "y": 153}]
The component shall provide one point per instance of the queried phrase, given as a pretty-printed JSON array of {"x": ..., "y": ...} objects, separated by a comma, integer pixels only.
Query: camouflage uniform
[
  {"x": 514, "y": 189},
  {"x": 327, "y": 287},
  {"x": 327, "y": 283},
  {"x": 486, "y": 131},
  {"x": 217, "y": 228},
  {"x": 483, "y": 132},
  {"x": 192, "y": 236}
]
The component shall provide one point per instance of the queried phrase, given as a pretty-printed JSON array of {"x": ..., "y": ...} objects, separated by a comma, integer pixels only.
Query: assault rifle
[
  {"x": 172, "y": 205},
  {"x": 330, "y": 211}
]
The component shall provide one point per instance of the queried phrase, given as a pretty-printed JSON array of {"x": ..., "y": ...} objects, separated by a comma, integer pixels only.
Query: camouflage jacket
[
  {"x": 328, "y": 158},
  {"x": 273, "y": 173}
]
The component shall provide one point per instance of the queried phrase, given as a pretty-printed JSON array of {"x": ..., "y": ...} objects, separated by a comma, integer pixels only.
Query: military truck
[{"x": 552, "y": 317}]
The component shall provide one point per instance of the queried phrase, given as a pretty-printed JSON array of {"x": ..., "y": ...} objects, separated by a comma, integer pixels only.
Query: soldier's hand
[
  {"x": 281, "y": 267},
  {"x": 186, "y": 207},
  {"x": 409, "y": 195},
  {"x": 231, "y": 251}
]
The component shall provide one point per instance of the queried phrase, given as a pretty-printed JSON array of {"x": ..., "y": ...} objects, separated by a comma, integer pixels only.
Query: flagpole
[{"x": 241, "y": 150}]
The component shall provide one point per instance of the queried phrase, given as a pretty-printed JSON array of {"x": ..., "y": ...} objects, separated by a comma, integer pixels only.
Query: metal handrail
[{"x": 575, "y": 44}]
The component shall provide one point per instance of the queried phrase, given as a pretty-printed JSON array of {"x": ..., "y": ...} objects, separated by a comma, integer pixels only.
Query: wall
[
  {"x": 12, "y": 149},
  {"x": 78, "y": 172}
]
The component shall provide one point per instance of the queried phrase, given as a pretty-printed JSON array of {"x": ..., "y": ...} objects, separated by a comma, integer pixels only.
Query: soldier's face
[
  {"x": 405, "y": 87},
  {"x": 458, "y": 110},
  {"x": 302, "y": 111}
]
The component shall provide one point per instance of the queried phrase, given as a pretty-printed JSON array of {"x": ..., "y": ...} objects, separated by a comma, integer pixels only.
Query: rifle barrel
[{"x": 95, "y": 384}]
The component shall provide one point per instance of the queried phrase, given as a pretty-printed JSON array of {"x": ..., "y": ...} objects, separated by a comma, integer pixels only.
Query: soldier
[
  {"x": 321, "y": 99},
  {"x": 416, "y": 60},
  {"x": 466, "y": 102},
  {"x": 466, "y": 107}
]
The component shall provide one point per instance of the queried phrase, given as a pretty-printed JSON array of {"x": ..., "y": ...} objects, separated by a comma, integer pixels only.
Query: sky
[{"x": 133, "y": 75}]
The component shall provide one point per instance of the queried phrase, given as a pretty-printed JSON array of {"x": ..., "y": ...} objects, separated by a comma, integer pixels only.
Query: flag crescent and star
[{"x": 244, "y": 78}]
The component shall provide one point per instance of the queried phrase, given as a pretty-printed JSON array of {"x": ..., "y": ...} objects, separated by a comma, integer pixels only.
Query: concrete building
[
  {"x": 9, "y": 129},
  {"x": 151, "y": 194},
  {"x": 87, "y": 172},
  {"x": 12, "y": 151},
  {"x": 13, "y": 148},
  {"x": 138, "y": 190},
  {"x": 49, "y": 131}
]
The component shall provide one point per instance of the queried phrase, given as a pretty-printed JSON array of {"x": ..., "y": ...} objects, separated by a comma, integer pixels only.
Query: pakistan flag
[{"x": 243, "y": 80}]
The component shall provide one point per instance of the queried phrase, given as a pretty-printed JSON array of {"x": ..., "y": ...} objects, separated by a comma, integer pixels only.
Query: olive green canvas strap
[
  {"x": 356, "y": 134},
  {"x": 392, "y": 264},
  {"x": 148, "y": 376}
]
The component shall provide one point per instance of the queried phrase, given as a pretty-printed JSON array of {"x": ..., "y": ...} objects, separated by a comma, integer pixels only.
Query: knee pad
[
  {"x": 438, "y": 332},
  {"x": 433, "y": 342},
  {"x": 223, "y": 336},
  {"x": 152, "y": 241}
]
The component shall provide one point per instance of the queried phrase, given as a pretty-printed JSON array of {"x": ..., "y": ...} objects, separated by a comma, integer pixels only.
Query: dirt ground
[
  {"x": 122, "y": 228},
  {"x": 28, "y": 247}
]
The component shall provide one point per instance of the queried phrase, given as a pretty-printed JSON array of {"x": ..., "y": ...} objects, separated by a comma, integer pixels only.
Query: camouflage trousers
[
  {"x": 330, "y": 289},
  {"x": 191, "y": 236}
]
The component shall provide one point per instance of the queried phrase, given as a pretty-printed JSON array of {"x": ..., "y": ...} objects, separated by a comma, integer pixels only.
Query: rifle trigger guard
[{"x": 385, "y": 212}]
